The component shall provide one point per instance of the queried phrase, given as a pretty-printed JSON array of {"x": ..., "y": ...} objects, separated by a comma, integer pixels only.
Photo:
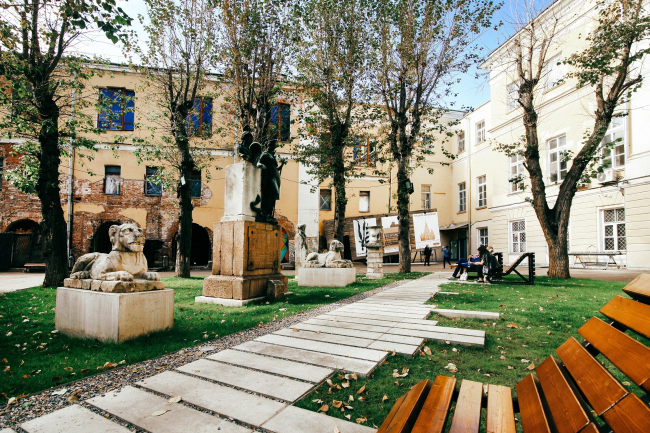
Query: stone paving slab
[
  {"x": 348, "y": 325},
  {"x": 427, "y": 327},
  {"x": 7, "y": 430},
  {"x": 282, "y": 367},
  {"x": 358, "y": 366},
  {"x": 402, "y": 349},
  {"x": 327, "y": 338},
  {"x": 423, "y": 314},
  {"x": 262, "y": 383},
  {"x": 317, "y": 346},
  {"x": 365, "y": 315},
  {"x": 396, "y": 308},
  {"x": 226, "y": 401},
  {"x": 137, "y": 406},
  {"x": 71, "y": 419},
  {"x": 297, "y": 420},
  {"x": 483, "y": 315},
  {"x": 404, "y": 339},
  {"x": 442, "y": 337},
  {"x": 329, "y": 328}
]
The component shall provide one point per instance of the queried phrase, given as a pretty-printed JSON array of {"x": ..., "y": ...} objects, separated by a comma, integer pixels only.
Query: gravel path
[{"x": 44, "y": 402}]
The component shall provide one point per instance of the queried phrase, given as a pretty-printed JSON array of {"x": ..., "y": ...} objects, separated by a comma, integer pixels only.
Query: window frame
[
  {"x": 277, "y": 112},
  {"x": 197, "y": 175},
  {"x": 461, "y": 142},
  {"x": 113, "y": 175},
  {"x": 147, "y": 175},
  {"x": 518, "y": 165},
  {"x": 480, "y": 131},
  {"x": 325, "y": 193},
  {"x": 512, "y": 102},
  {"x": 366, "y": 158},
  {"x": 558, "y": 149},
  {"x": 612, "y": 157},
  {"x": 480, "y": 236},
  {"x": 616, "y": 236},
  {"x": 519, "y": 242},
  {"x": 424, "y": 193},
  {"x": 552, "y": 65},
  {"x": 364, "y": 194},
  {"x": 198, "y": 117},
  {"x": 481, "y": 191},
  {"x": 130, "y": 104},
  {"x": 462, "y": 197}
]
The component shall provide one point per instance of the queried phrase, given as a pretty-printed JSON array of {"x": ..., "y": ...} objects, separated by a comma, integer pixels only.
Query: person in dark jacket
[
  {"x": 446, "y": 256},
  {"x": 485, "y": 265},
  {"x": 427, "y": 256}
]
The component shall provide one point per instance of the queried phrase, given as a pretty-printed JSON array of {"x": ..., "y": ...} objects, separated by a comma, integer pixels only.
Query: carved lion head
[
  {"x": 336, "y": 246},
  {"x": 126, "y": 237}
]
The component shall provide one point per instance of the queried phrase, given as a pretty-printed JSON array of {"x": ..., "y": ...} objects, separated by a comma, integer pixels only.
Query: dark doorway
[
  {"x": 101, "y": 242},
  {"x": 27, "y": 242},
  {"x": 347, "y": 251},
  {"x": 462, "y": 242},
  {"x": 201, "y": 246},
  {"x": 151, "y": 247}
]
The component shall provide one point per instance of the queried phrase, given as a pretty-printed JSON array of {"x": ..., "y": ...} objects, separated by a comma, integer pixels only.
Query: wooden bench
[
  {"x": 573, "y": 393},
  {"x": 529, "y": 279}
]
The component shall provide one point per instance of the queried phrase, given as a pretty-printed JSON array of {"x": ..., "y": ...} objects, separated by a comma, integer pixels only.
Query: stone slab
[
  {"x": 441, "y": 337},
  {"x": 243, "y": 182},
  {"x": 329, "y": 348},
  {"x": 297, "y": 420},
  {"x": 359, "y": 319},
  {"x": 387, "y": 311},
  {"x": 240, "y": 287},
  {"x": 137, "y": 285},
  {"x": 402, "y": 349},
  {"x": 338, "y": 330},
  {"x": 326, "y": 338},
  {"x": 71, "y": 419},
  {"x": 410, "y": 309},
  {"x": 483, "y": 315},
  {"x": 226, "y": 302},
  {"x": 113, "y": 317},
  {"x": 136, "y": 406},
  {"x": 347, "y": 325},
  {"x": 230, "y": 402},
  {"x": 359, "y": 366},
  {"x": 362, "y": 315},
  {"x": 7, "y": 430},
  {"x": 283, "y": 367},
  {"x": 262, "y": 383},
  {"x": 326, "y": 277},
  {"x": 445, "y": 329}
]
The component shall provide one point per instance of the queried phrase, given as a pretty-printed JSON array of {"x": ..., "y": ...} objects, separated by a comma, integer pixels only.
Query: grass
[
  {"x": 536, "y": 320},
  {"x": 34, "y": 358}
]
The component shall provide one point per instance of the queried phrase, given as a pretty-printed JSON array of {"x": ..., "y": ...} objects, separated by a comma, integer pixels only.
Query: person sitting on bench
[
  {"x": 463, "y": 264},
  {"x": 485, "y": 268}
]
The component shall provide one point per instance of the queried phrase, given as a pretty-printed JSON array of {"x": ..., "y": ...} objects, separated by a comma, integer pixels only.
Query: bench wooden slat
[
  {"x": 407, "y": 413},
  {"x": 531, "y": 409},
  {"x": 596, "y": 383},
  {"x": 391, "y": 414},
  {"x": 632, "y": 314},
  {"x": 567, "y": 412},
  {"x": 630, "y": 415},
  {"x": 500, "y": 414},
  {"x": 630, "y": 356},
  {"x": 467, "y": 416},
  {"x": 591, "y": 428},
  {"x": 434, "y": 411},
  {"x": 639, "y": 288}
]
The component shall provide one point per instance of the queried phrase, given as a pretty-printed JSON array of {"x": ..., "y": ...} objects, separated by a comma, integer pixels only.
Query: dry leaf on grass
[
  {"x": 318, "y": 400},
  {"x": 324, "y": 408},
  {"x": 452, "y": 367},
  {"x": 337, "y": 404},
  {"x": 345, "y": 384},
  {"x": 392, "y": 354},
  {"x": 160, "y": 412},
  {"x": 354, "y": 376},
  {"x": 384, "y": 398},
  {"x": 363, "y": 388},
  {"x": 361, "y": 419},
  {"x": 531, "y": 366},
  {"x": 525, "y": 361},
  {"x": 329, "y": 382},
  {"x": 512, "y": 325},
  {"x": 348, "y": 416},
  {"x": 510, "y": 367}
]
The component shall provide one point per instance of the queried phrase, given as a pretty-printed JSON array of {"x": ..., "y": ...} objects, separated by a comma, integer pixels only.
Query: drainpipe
[
  {"x": 469, "y": 194},
  {"x": 71, "y": 174}
]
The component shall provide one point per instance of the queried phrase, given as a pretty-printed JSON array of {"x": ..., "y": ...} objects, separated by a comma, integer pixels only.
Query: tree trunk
[
  {"x": 558, "y": 266},
  {"x": 184, "y": 244},
  {"x": 340, "y": 205},
  {"x": 47, "y": 187},
  {"x": 403, "y": 197}
]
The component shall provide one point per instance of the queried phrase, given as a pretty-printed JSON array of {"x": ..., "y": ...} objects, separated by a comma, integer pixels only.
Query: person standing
[
  {"x": 427, "y": 256},
  {"x": 446, "y": 256}
]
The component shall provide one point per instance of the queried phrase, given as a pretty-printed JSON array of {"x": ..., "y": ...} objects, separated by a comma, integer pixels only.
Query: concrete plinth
[
  {"x": 375, "y": 262},
  {"x": 225, "y": 301},
  {"x": 338, "y": 277},
  {"x": 243, "y": 185},
  {"x": 246, "y": 287},
  {"x": 114, "y": 317}
]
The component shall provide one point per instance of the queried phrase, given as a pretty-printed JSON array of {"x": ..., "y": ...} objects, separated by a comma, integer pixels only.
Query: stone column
[{"x": 375, "y": 253}]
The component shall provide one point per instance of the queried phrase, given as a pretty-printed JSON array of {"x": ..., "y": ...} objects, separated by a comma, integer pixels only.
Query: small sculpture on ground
[
  {"x": 330, "y": 259},
  {"x": 125, "y": 263},
  {"x": 300, "y": 246}
]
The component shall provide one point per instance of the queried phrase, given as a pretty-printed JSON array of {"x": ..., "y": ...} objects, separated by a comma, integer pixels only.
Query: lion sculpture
[
  {"x": 125, "y": 263},
  {"x": 330, "y": 259}
]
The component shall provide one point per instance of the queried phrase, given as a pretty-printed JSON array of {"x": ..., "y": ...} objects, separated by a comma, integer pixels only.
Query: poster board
[
  {"x": 361, "y": 234},
  {"x": 426, "y": 229},
  {"x": 390, "y": 224}
]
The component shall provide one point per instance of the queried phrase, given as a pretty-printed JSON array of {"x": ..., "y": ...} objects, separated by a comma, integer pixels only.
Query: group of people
[{"x": 484, "y": 263}]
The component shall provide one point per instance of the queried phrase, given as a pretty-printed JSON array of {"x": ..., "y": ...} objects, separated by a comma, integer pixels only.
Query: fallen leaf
[
  {"x": 336, "y": 430},
  {"x": 11, "y": 401},
  {"x": 361, "y": 419},
  {"x": 175, "y": 399},
  {"x": 452, "y": 367},
  {"x": 348, "y": 416},
  {"x": 159, "y": 412},
  {"x": 351, "y": 398},
  {"x": 68, "y": 369},
  {"x": 337, "y": 404},
  {"x": 512, "y": 325},
  {"x": 318, "y": 400},
  {"x": 324, "y": 408},
  {"x": 354, "y": 376},
  {"x": 525, "y": 361},
  {"x": 73, "y": 398},
  {"x": 626, "y": 383},
  {"x": 392, "y": 354},
  {"x": 384, "y": 398},
  {"x": 329, "y": 382},
  {"x": 502, "y": 357},
  {"x": 363, "y": 388},
  {"x": 345, "y": 384},
  {"x": 510, "y": 367},
  {"x": 85, "y": 370},
  {"x": 295, "y": 330},
  {"x": 531, "y": 366},
  {"x": 348, "y": 407}
]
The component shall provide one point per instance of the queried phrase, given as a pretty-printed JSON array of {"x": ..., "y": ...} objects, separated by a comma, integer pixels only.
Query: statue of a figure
[
  {"x": 300, "y": 246},
  {"x": 271, "y": 166}
]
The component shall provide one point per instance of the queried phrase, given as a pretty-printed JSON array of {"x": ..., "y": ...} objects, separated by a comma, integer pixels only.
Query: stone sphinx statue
[
  {"x": 124, "y": 269},
  {"x": 330, "y": 259}
]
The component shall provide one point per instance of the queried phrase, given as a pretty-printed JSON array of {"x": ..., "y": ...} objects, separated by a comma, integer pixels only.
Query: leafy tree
[
  {"x": 333, "y": 64},
  {"x": 39, "y": 77},
  {"x": 181, "y": 35},
  {"x": 421, "y": 45}
]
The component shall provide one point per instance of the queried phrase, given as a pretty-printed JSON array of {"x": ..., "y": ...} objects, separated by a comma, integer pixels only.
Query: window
[
  {"x": 152, "y": 188},
  {"x": 195, "y": 183},
  {"x": 512, "y": 96},
  {"x": 461, "y": 141},
  {"x": 614, "y": 230},
  {"x": 112, "y": 179},
  {"x": 483, "y": 237},
  {"x": 516, "y": 172},
  {"x": 426, "y": 196},
  {"x": 462, "y": 198},
  {"x": 557, "y": 166},
  {"x": 364, "y": 201},
  {"x": 480, "y": 132},
  {"x": 364, "y": 152},
  {"x": 614, "y": 156},
  {"x": 518, "y": 236},
  {"x": 199, "y": 122},
  {"x": 325, "y": 199},
  {"x": 280, "y": 126},
  {"x": 554, "y": 73},
  {"x": 116, "y": 109},
  {"x": 481, "y": 187}
]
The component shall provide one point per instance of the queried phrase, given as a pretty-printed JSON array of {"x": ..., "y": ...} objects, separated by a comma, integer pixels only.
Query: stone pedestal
[
  {"x": 375, "y": 262},
  {"x": 114, "y": 286},
  {"x": 246, "y": 255},
  {"x": 324, "y": 277},
  {"x": 243, "y": 185},
  {"x": 113, "y": 317}
]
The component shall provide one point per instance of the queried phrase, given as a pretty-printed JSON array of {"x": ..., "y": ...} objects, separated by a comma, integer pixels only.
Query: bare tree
[{"x": 421, "y": 45}]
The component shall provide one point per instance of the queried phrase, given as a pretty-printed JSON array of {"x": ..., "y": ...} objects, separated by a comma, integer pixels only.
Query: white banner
[
  {"x": 390, "y": 224},
  {"x": 427, "y": 232},
  {"x": 361, "y": 234}
]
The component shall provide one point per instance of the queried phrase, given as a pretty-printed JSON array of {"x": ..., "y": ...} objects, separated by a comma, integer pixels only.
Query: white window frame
[
  {"x": 426, "y": 196},
  {"x": 617, "y": 129},
  {"x": 615, "y": 235},
  {"x": 482, "y": 238},
  {"x": 554, "y": 73},
  {"x": 518, "y": 242},
  {"x": 481, "y": 191},
  {"x": 364, "y": 196},
  {"x": 517, "y": 170},
  {"x": 461, "y": 142},
  {"x": 462, "y": 197},
  {"x": 480, "y": 132},
  {"x": 559, "y": 149},
  {"x": 512, "y": 95}
]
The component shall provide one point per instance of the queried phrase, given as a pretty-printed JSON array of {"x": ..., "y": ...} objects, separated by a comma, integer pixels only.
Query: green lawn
[
  {"x": 32, "y": 358},
  {"x": 536, "y": 320}
]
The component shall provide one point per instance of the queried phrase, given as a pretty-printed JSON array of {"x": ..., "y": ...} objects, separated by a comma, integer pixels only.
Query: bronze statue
[{"x": 271, "y": 166}]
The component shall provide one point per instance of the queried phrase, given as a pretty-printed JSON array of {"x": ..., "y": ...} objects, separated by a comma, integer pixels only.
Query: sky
[{"x": 472, "y": 89}]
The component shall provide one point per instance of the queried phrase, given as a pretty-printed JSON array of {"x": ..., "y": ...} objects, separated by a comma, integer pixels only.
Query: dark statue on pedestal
[{"x": 271, "y": 166}]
